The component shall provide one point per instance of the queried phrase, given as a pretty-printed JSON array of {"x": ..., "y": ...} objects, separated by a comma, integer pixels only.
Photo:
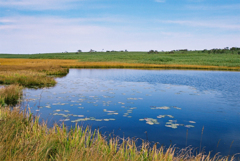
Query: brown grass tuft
[{"x": 10, "y": 95}]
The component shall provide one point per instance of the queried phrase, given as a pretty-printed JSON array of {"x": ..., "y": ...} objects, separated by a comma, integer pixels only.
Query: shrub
[{"x": 153, "y": 52}]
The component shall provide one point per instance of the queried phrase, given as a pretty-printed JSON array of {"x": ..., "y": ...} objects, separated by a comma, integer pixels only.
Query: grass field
[{"x": 200, "y": 58}]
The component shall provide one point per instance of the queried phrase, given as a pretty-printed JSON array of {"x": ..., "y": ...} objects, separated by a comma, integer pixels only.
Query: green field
[{"x": 228, "y": 58}]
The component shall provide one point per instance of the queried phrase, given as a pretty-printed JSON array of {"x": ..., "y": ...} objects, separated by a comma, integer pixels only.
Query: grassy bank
[
  {"x": 223, "y": 59},
  {"x": 29, "y": 73},
  {"x": 60, "y": 66},
  {"x": 23, "y": 138}
]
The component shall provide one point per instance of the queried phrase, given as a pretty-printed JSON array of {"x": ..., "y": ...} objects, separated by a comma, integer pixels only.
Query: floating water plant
[
  {"x": 132, "y": 98},
  {"x": 163, "y": 116},
  {"x": 110, "y": 112},
  {"x": 189, "y": 126},
  {"x": 160, "y": 108},
  {"x": 172, "y": 124},
  {"x": 192, "y": 122},
  {"x": 150, "y": 121},
  {"x": 178, "y": 108},
  {"x": 132, "y": 108}
]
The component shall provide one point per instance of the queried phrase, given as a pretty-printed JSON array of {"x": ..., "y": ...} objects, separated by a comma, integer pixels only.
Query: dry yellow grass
[
  {"x": 146, "y": 66},
  {"x": 29, "y": 72}
]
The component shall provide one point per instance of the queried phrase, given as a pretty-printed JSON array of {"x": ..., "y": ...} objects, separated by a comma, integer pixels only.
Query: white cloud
[{"x": 27, "y": 34}]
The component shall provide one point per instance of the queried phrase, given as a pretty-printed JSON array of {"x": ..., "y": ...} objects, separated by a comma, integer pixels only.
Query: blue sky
[{"x": 31, "y": 26}]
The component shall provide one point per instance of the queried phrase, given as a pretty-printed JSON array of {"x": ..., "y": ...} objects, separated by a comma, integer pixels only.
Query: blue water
[{"x": 140, "y": 103}]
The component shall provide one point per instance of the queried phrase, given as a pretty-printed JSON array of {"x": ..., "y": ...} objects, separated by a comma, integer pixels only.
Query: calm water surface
[{"x": 167, "y": 104}]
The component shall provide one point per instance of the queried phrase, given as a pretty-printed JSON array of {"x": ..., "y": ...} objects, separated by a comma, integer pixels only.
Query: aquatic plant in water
[
  {"x": 163, "y": 116},
  {"x": 150, "y": 121},
  {"x": 161, "y": 108}
]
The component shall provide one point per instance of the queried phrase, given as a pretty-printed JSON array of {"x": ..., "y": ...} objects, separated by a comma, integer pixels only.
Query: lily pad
[
  {"x": 193, "y": 122},
  {"x": 150, "y": 121},
  {"x": 189, "y": 126},
  {"x": 178, "y": 108},
  {"x": 170, "y": 116},
  {"x": 163, "y": 108},
  {"x": 161, "y": 116}
]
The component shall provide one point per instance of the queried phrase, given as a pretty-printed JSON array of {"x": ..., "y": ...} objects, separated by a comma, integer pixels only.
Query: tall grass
[
  {"x": 30, "y": 73},
  {"x": 26, "y": 78},
  {"x": 10, "y": 95},
  {"x": 23, "y": 138}
]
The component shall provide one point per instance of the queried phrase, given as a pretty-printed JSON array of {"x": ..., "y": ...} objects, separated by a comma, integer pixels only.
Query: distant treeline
[
  {"x": 232, "y": 50},
  {"x": 226, "y": 50}
]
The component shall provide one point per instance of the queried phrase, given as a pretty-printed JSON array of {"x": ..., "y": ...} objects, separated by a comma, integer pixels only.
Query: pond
[{"x": 200, "y": 109}]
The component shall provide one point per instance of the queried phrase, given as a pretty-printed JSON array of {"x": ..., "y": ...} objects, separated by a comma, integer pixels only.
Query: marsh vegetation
[
  {"x": 22, "y": 137},
  {"x": 30, "y": 73}
]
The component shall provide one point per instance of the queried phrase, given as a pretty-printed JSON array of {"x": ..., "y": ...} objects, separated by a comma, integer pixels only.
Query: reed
[
  {"x": 22, "y": 137},
  {"x": 10, "y": 95}
]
